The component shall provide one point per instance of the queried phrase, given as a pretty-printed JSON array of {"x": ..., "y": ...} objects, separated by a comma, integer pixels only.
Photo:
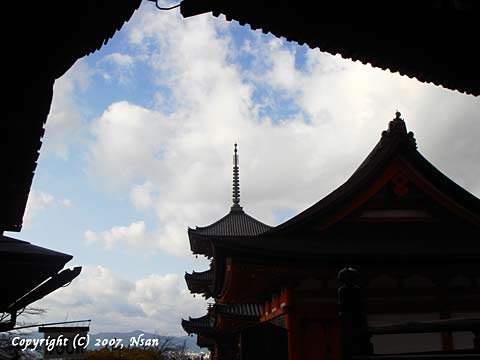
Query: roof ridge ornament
[
  {"x": 398, "y": 129},
  {"x": 236, "y": 182}
]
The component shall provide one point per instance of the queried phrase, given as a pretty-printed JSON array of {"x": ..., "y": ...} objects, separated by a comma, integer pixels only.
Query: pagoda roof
[
  {"x": 240, "y": 310},
  {"x": 200, "y": 325},
  {"x": 300, "y": 236},
  {"x": 200, "y": 282},
  {"x": 206, "y": 276},
  {"x": 429, "y": 40},
  {"x": 206, "y": 325},
  {"x": 237, "y": 223}
]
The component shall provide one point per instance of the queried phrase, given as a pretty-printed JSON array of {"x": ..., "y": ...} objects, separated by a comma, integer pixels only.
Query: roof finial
[
  {"x": 398, "y": 129},
  {"x": 236, "y": 181}
]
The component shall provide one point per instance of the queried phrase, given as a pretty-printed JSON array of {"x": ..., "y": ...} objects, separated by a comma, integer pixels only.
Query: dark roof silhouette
[
  {"x": 200, "y": 282},
  {"x": 235, "y": 223},
  {"x": 49, "y": 38},
  {"x": 31, "y": 266},
  {"x": 206, "y": 324},
  {"x": 206, "y": 275},
  {"x": 430, "y": 40},
  {"x": 393, "y": 142},
  {"x": 296, "y": 237},
  {"x": 201, "y": 324}
]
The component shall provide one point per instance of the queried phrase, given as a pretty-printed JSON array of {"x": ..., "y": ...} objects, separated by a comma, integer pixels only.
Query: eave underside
[{"x": 436, "y": 46}]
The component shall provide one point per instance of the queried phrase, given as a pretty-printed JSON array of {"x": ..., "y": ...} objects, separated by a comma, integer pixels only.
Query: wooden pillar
[
  {"x": 335, "y": 340},
  {"x": 294, "y": 337},
  {"x": 289, "y": 326},
  {"x": 442, "y": 295},
  {"x": 292, "y": 324},
  {"x": 476, "y": 340},
  {"x": 447, "y": 338},
  {"x": 354, "y": 330}
]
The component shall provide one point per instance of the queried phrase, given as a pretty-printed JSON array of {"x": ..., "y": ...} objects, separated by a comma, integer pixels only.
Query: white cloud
[
  {"x": 65, "y": 121},
  {"x": 155, "y": 303},
  {"x": 117, "y": 66},
  {"x": 120, "y": 59},
  {"x": 133, "y": 234},
  {"x": 129, "y": 135},
  {"x": 141, "y": 196},
  {"x": 39, "y": 201},
  {"x": 176, "y": 159},
  {"x": 66, "y": 202}
]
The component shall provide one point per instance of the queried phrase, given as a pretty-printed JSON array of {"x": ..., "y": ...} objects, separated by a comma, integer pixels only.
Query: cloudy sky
[{"x": 139, "y": 140}]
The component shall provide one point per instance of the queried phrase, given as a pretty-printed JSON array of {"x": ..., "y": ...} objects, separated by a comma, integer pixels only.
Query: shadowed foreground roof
[
  {"x": 431, "y": 40},
  {"x": 48, "y": 38},
  {"x": 32, "y": 265}
]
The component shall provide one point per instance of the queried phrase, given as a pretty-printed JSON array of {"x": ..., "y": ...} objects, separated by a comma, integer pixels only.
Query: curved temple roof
[
  {"x": 396, "y": 146},
  {"x": 235, "y": 223},
  {"x": 394, "y": 141},
  {"x": 200, "y": 282},
  {"x": 206, "y": 324},
  {"x": 203, "y": 324}
]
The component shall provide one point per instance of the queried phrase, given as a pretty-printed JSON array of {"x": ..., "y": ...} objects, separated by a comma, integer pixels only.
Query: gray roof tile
[{"x": 235, "y": 223}]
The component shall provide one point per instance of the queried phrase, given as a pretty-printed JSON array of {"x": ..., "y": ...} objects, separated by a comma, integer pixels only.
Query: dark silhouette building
[{"x": 412, "y": 233}]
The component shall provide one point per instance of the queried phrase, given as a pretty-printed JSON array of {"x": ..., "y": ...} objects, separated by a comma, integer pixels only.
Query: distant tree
[
  {"x": 23, "y": 316},
  {"x": 168, "y": 349},
  {"x": 6, "y": 337}
]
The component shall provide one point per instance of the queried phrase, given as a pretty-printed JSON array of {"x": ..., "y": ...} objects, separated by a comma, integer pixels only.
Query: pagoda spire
[{"x": 236, "y": 182}]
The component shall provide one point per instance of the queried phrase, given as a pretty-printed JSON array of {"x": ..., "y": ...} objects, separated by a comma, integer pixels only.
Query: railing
[{"x": 356, "y": 333}]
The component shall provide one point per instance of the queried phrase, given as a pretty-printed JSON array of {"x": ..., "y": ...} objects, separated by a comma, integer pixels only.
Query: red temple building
[{"x": 411, "y": 232}]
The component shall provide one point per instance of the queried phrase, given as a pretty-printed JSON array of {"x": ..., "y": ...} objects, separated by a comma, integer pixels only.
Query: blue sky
[{"x": 139, "y": 140}]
